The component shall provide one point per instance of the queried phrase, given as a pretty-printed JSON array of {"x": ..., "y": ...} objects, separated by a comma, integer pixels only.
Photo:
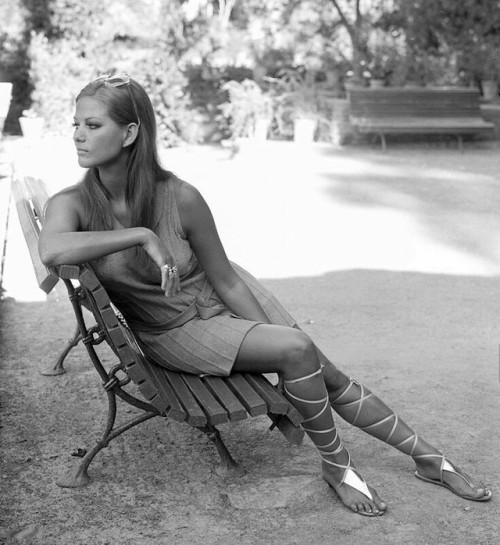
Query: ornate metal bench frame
[{"x": 202, "y": 402}]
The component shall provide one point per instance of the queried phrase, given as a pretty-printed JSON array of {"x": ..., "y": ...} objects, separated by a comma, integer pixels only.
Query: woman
[{"x": 153, "y": 243}]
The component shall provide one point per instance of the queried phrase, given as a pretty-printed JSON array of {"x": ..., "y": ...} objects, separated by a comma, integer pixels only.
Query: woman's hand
[{"x": 159, "y": 253}]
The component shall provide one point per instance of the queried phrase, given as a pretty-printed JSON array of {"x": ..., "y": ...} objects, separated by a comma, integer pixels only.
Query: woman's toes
[
  {"x": 379, "y": 504},
  {"x": 483, "y": 492}
]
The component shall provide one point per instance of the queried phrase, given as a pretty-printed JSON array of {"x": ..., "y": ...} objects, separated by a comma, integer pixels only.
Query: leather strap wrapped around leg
[
  {"x": 310, "y": 396},
  {"x": 360, "y": 407}
]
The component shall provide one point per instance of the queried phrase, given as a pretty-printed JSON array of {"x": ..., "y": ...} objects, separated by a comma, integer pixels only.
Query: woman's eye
[{"x": 92, "y": 126}]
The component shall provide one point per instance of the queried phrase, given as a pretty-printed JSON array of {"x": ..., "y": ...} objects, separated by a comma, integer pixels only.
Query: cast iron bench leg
[
  {"x": 382, "y": 141},
  {"x": 58, "y": 368},
  {"x": 77, "y": 477},
  {"x": 228, "y": 464}
]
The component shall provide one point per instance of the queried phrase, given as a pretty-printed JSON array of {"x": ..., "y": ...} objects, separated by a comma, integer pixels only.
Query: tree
[{"x": 466, "y": 31}]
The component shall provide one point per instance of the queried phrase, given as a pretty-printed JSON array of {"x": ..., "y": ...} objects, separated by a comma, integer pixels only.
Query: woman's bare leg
[
  {"x": 272, "y": 348},
  {"x": 360, "y": 407}
]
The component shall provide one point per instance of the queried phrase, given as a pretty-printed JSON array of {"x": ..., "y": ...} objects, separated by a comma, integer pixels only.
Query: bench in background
[
  {"x": 201, "y": 402},
  {"x": 401, "y": 110}
]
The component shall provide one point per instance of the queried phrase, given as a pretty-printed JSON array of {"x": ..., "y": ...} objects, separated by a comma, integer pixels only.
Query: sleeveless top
[{"x": 136, "y": 290}]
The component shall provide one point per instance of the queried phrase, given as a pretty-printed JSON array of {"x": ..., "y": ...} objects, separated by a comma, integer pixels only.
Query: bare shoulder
[
  {"x": 68, "y": 195},
  {"x": 189, "y": 200},
  {"x": 191, "y": 205},
  {"x": 67, "y": 201},
  {"x": 186, "y": 194}
]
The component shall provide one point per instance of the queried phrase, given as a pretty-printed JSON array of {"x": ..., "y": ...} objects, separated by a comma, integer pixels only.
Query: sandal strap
[
  {"x": 360, "y": 400},
  {"x": 448, "y": 466},
  {"x": 306, "y": 377},
  {"x": 351, "y": 477},
  {"x": 390, "y": 421}
]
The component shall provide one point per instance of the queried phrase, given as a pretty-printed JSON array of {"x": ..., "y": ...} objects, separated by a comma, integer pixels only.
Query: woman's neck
[{"x": 114, "y": 179}]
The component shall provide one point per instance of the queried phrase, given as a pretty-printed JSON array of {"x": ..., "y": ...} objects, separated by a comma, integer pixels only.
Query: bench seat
[{"x": 411, "y": 125}]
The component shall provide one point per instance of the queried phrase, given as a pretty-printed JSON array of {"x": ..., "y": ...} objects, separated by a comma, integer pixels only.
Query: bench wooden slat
[
  {"x": 38, "y": 194},
  {"x": 89, "y": 279},
  {"x": 142, "y": 372},
  {"x": 46, "y": 278},
  {"x": 102, "y": 299},
  {"x": 294, "y": 416},
  {"x": 226, "y": 397},
  {"x": 117, "y": 337},
  {"x": 167, "y": 403},
  {"x": 275, "y": 402},
  {"x": 68, "y": 272},
  {"x": 252, "y": 402},
  {"x": 195, "y": 415},
  {"x": 278, "y": 405},
  {"x": 216, "y": 414}
]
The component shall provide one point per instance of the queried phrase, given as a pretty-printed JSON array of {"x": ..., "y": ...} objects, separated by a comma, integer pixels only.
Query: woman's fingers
[{"x": 170, "y": 283}]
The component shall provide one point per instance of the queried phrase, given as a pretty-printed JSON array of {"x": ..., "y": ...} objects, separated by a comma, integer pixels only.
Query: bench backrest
[
  {"x": 414, "y": 102},
  {"x": 31, "y": 196}
]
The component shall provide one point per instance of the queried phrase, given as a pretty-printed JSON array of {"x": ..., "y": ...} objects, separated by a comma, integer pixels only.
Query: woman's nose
[{"x": 78, "y": 135}]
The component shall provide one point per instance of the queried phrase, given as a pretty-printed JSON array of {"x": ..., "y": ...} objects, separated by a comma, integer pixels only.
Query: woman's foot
[
  {"x": 351, "y": 488},
  {"x": 436, "y": 469}
]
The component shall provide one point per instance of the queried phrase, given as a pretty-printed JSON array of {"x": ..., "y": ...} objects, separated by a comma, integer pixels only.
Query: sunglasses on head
[{"x": 118, "y": 80}]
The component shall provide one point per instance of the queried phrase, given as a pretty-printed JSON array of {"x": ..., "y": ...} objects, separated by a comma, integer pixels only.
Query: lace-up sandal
[
  {"x": 352, "y": 478},
  {"x": 333, "y": 447},
  {"x": 446, "y": 465}
]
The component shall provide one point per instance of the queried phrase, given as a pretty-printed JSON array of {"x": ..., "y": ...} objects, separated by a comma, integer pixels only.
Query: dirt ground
[{"x": 428, "y": 344}]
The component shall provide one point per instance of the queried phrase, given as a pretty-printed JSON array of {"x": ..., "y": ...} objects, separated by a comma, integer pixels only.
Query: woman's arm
[
  {"x": 63, "y": 243},
  {"x": 198, "y": 225}
]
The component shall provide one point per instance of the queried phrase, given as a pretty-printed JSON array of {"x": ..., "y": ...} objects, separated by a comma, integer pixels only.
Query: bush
[
  {"x": 167, "y": 86},
  {"x": 246, "y": 104},
  {"x": 57, "y": 74}
]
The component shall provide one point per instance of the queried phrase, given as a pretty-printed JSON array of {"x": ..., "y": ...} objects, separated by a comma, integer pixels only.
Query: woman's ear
[{"x": 130, "y": 134}]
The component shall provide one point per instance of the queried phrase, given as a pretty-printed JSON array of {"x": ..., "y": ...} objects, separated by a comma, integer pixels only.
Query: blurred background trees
[{"x": 187, "y": 53}]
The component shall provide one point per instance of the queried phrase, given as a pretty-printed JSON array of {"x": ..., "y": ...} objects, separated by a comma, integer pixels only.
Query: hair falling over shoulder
[{"x": 144, "y": 170}]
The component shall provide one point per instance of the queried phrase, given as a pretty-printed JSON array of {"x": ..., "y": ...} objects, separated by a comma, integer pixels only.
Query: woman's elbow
[
  {"x": 47, "y": 255},
  {"x": 46, "y": 258}
]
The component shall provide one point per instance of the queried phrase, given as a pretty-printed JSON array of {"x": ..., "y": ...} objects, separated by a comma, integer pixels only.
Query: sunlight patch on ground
[{"x": 283, "y": 210}]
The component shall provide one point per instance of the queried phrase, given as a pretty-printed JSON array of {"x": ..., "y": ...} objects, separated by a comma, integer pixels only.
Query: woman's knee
[{"x": 298, "y": 355}]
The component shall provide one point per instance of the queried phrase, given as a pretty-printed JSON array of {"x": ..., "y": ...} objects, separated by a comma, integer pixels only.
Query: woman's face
[{"x": 99, "y": 140}]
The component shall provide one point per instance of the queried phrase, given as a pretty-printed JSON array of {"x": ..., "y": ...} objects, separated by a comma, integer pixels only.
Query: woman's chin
[{"x": 83, "y": 163}]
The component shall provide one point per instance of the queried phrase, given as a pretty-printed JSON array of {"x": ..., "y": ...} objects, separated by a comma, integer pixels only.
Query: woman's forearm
[
  {"x": 240, "y": 300},
  {"x": 74, "y": 248}
]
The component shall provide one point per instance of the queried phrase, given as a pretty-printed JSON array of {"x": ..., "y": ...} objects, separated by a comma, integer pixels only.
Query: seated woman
[{"x": 153, "y": 244}]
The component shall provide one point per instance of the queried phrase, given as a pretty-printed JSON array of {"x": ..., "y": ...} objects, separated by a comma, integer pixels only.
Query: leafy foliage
[
  {"x": 185, "y": 52},
  {"x": 246, "y": 104}
]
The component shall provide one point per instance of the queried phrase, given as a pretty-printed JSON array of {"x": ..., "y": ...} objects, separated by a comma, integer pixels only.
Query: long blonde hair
[{"x": 143, "y": 166}]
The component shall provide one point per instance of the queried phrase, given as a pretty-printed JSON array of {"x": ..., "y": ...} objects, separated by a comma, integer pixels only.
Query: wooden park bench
[
  {"x": 401, "y": 110},
  {"x": 201, "y": 402}
]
